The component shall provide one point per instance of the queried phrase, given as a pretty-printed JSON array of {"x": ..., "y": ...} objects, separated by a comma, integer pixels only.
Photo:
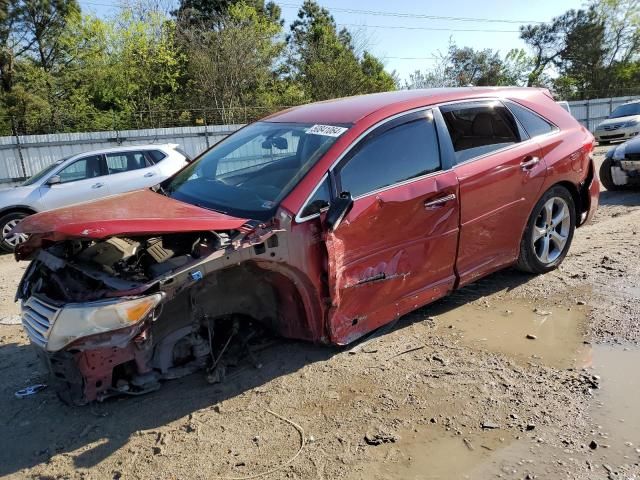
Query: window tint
[
  {"x": 403, "y": 152},
  {"x": 477, "y": 129},
  {"x": 319, "y": 200},
  {"x": 156, "y": 155},
  {"x": 532, "y": 123},
  {"x": 125, "y": 162},
  {"x": 88, "y": 167}
]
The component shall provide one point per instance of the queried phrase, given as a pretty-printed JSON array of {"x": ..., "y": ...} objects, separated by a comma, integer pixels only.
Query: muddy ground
[{"x": 453, "y": 390}]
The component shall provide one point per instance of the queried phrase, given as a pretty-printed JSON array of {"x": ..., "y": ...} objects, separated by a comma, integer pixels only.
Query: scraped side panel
[{"x": 391, "y": 255}]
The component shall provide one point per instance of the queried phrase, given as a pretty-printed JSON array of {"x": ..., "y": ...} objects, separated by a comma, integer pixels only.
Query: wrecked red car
[{"x": 319, "y": 223}]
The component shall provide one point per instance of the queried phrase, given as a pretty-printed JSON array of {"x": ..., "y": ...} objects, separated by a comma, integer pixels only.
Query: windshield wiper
[{"x": 210, "y": 208}]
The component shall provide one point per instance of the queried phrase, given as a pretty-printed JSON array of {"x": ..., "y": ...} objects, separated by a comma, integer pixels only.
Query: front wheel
[
  {"x": 549, "y": 232},
  {"x": 9, "y": 241}
]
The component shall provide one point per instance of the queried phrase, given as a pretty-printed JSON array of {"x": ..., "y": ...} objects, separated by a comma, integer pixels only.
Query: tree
[
  {"x": 464, "y": 66},
  {"x": 233, "y": 66},
  {"x": 212, "y": 13},
  {"x": 325, "y": 62}
]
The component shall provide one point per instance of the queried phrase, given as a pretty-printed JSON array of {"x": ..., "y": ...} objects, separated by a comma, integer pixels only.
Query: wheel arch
[
  {"x": 17, "y": 209},
  {"x": 269, "y": 293}
]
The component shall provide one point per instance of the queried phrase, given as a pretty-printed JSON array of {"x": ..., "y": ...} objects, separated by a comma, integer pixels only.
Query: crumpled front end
[{"x": 120, "y": 315}]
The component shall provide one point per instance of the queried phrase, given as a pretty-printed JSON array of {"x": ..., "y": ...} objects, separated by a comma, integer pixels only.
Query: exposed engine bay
[
  {"x": 214, "y": 299},
  {"x": 77, "y": 270}
]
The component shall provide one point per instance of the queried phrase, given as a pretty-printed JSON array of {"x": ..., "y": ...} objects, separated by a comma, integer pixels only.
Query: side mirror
[
  {"x": 339, "y": 209},
  {"x": 54, "y": 180}
]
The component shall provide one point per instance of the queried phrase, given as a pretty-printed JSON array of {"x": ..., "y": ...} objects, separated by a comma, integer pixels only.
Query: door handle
[
  {"x": 150, "y": 174},
  {"x": 97, "y": 185},
  {"x": 529, "y": 162},
  {"x": 439, "y": 201}
]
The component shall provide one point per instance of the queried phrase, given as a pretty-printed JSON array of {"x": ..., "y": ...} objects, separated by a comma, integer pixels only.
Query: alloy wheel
[
  {"x": 13, "y": 239},
  {"x": 551, "y": 230}
]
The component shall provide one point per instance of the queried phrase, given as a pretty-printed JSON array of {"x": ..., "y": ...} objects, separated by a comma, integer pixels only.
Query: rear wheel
[
  {"x": 9, "y": 241},
  {"x": 549, "y": 232},
  {"x": 606, "y": 178}
]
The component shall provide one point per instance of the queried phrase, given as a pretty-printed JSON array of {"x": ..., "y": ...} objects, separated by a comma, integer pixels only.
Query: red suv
[{"x": 322, "y": 223}]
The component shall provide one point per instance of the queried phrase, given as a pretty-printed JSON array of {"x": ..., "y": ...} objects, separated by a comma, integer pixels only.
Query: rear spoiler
[{"x": 176, "y": 147}]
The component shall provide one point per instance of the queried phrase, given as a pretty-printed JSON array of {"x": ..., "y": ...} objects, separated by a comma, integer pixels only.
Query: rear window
[
  {"x": 156, "y": 155},
  {"x": 477, "y": 129},
  {"x": 532, "y": 123}
]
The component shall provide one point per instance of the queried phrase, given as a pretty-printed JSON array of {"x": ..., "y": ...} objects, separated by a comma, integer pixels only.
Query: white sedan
[{"x": 86, "y": 176}]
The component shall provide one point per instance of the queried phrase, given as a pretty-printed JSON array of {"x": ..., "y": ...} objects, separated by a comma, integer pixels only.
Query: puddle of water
[
  {"x": 615, "y": 407},
  {"x": 504, "y": 327}
]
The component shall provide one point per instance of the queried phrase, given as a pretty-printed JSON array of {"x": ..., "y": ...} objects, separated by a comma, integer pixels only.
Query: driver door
[
  {"x": 395, "y": 249},
  {"x": 81, "y": 181}
]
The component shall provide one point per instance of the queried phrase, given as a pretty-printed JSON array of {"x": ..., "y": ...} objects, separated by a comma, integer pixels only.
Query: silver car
[
  {"x": 622, "y": 124},
  {"x": 86, "y": 176}
]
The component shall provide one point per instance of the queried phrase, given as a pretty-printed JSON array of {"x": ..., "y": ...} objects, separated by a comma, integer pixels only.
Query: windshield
[
  {"x": 251, "y": 171},
  {"x": 626, "y": 110},
  {"x": 42, "y": 173}
]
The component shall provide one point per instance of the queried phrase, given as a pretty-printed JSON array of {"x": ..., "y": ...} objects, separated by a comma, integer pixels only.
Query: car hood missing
[{"x": 141, "y": 212}]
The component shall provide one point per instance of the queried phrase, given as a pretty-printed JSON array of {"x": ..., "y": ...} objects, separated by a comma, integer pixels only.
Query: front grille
[
  {"x": 612, "y": 137},
  {"x": 37, "y": 318},
  {"x": 613, "y": 127}
]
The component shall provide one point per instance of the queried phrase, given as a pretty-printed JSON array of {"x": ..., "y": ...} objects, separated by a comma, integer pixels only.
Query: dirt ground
[{"x": 514, "y": 377}]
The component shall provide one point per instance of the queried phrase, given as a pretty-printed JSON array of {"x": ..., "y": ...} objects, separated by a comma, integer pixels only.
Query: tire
[
  {"x": 605, "y": 176},
  {"x": 8, "y": 244},
  {"x": 549, "y": 232}
]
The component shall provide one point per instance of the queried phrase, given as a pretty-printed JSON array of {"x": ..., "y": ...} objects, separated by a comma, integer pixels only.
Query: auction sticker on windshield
[{"x": 326, "y": 130}]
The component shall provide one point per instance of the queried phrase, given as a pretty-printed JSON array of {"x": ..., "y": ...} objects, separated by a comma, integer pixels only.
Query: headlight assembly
[{"x": 82, "y": 320}]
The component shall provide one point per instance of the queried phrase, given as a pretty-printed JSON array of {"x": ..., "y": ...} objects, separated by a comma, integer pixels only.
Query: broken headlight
[{"x": 77, "y": 321}]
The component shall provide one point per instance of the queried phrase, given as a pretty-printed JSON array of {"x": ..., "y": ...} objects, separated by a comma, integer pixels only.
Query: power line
[
  {"x": 386, "y": 14},
  {"x": 415, "y": 15},
  {"x": 401, "y": 27}
]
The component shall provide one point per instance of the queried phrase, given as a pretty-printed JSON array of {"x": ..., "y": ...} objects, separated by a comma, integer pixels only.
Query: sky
[{"x": 401, "y": 35}]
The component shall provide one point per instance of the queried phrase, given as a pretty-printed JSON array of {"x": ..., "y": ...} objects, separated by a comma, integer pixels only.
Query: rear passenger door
[
  {"x": 130, "y": 170},
  {"x": 501, "y": 172},
  {"x": 395, "y": 250}
]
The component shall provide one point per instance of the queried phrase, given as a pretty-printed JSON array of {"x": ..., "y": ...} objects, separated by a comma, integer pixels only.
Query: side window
[
  {"x": 403, "y": 152},
  {"x": 87, "y": 167},
  {"x": 125, "y": 161},
  {"x": 318, "y": 201},
  {"x": 477, "y": 129},
  {"x": 156, "y": 155},
  {"x": 532, "y": 122}
]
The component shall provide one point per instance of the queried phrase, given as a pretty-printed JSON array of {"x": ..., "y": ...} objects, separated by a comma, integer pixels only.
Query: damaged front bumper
[{"x": 82, "y": 361}]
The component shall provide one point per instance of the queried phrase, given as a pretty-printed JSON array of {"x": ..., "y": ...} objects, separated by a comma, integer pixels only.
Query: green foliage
[
  {"x": 464, "y": 66},
  {"x": 592, "y": 52},
  {"x": 325, "y": 61},
  {"x": 215, "y": 61}
]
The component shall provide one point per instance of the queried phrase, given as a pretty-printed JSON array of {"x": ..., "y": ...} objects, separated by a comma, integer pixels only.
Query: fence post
[
  {"x": 588, "y": 115},
  {"x": 15, "y": 134},
  {"x": 610, "y": 105},
  {"x": 206, "y": 133},
  {"x": 115, "y": 128}
]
